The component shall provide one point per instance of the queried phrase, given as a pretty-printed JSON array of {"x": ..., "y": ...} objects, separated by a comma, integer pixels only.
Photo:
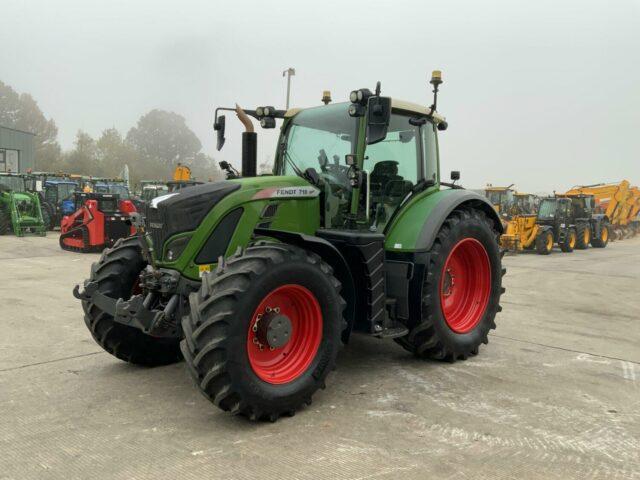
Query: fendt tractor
[
  {"x": 257, "y": 281},
  {"x": 20, "y": 210}
]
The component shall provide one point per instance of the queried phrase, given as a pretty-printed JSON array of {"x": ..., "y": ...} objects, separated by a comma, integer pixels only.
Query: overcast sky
[{"x": 544, "y": 94}]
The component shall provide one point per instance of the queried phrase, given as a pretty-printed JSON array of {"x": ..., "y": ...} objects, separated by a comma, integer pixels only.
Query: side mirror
[
  {"x": 219, "y": 128},
  {"x": 350, "y": 159},
  {"x": 378, "y": 117},
  {"x": 455, "y": 175}
]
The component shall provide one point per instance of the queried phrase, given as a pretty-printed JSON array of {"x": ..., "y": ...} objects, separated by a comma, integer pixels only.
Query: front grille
[{"x": 156, "y": 227}]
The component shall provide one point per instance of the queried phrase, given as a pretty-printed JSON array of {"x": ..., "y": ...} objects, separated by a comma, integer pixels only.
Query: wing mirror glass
[
  {"x": 219, "y": 128},
  {"x": 378, "y": 117}
]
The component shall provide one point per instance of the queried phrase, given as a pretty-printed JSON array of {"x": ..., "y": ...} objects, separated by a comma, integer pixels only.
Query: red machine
[{"x": 100, "y": 219}]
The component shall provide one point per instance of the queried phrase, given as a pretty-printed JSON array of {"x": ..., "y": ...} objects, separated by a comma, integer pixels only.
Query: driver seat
[{"x": 383, "y": 172}]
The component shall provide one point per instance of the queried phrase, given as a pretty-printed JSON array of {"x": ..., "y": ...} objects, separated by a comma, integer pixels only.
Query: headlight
[
  {"x": 356, "y": 110},
  {"x": 268, "y": 122},
  {"x": 267, "y": 111},
  {"x": 176, "y": 247},
  {"x": 353, "y": 97},
  {"x": 259, "y": 111}
]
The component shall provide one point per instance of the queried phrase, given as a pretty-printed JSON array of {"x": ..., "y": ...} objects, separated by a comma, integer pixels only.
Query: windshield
[
  {"x": 65, "y": 190},
  {"x": 547, "y": 208},
  {"x": 499, "y": 197},
  {"x": 117, "y": 188},
  {"x": 15, "y": 184},
  {"x": 320, "y": 138},
  {"x": 149, "y": 193}
]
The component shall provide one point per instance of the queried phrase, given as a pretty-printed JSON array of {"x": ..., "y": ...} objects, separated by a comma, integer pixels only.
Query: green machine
[
  {"x": 256, "y": 281},
  {"x": 20, "y": 210}
]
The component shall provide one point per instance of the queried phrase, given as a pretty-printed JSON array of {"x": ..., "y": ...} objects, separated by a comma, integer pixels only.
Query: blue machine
[{"x": 57, "y": 199}]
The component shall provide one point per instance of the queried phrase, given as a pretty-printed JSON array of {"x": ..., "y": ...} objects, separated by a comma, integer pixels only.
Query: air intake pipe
[{"x": 249, "y": 145}]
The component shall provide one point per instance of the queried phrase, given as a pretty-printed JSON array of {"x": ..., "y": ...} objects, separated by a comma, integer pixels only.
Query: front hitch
[{"x": 134, "y": 312}]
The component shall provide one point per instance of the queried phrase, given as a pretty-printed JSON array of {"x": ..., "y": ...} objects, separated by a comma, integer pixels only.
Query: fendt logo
[{"x": 287, "y": 192}]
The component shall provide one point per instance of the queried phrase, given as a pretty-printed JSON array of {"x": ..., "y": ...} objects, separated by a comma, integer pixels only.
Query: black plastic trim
[{"x": 217, "y": 243}]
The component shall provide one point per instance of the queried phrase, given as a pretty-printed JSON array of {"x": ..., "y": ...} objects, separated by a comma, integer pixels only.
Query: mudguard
[{"x": 417, "y": 225}]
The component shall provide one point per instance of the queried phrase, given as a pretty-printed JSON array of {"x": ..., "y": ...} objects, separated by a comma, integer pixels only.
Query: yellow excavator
[{"x": 620, "y": 202}]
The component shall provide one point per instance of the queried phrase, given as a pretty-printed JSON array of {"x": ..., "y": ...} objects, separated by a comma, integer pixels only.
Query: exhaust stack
[{"x": 249, "y": 145}]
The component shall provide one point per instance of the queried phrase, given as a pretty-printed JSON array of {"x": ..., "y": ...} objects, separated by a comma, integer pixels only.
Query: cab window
[
  {"x": 430, "y": 149},
  {"x": 393, "y": 167}
]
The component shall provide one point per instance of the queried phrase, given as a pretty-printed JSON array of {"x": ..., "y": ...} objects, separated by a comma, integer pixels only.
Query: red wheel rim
[
  {"x": 285, "y": 364},
  {"x": 466, "y": 285}
]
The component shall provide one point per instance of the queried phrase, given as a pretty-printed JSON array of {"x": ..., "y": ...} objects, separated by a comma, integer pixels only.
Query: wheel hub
[
  {"x": 284, "y": 334},
  {"x": 449, "y": 282},
  {"x": 273, "y": 330}
]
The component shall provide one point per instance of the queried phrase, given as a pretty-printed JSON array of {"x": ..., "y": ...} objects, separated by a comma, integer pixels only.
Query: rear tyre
[
  {"x": 569, "y": 242},
  {"x": 264, "y": 331},
  {"x": 116, "y": 273},
  {"x": 603, "y": 237},
  {"x": 5, "y": 220},
  {"x": 583, "y": 236},
  {"x": 462, "y": 289},
  {"x": 544, "y": 242}
]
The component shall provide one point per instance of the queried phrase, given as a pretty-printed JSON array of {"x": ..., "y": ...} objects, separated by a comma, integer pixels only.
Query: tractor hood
[{"x": 184, "y": 210}]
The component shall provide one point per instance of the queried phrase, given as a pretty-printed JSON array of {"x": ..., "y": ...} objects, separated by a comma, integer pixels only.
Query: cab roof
[{"x": 396, "y": 104}]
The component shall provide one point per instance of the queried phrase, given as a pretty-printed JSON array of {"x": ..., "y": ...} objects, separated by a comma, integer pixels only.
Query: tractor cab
[
  {"x": 113, "y": 187},
  {"x": 362, "y": 183},
  {"x": 525, "y": 203},
  {"x": 19, "y": 209},
  {"x": 582, "y": 205},
  {"x": 554, "y": 210},
  {"x": 502, "y": 198},
  {"x": 10, "y": 182},
  {"x": 60, "y": 194},
  {"x": 151, "y": 190}
]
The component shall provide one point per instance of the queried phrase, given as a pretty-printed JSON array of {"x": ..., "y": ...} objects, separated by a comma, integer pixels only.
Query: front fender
[{"x": 416, "y": 226}]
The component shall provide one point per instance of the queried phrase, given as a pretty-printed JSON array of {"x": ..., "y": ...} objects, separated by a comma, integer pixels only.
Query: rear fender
[{"x": 419, "y": 222}]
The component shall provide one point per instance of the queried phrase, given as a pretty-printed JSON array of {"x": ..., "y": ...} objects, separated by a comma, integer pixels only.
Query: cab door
[{"x": 393, "y": 167}]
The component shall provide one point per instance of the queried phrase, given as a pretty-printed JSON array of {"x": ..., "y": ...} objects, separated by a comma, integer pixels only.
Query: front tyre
[
  {"x": 583, "y": 236},
  {"x": 602, "y": 239},
  {"x": 544, "y": 242},
  {"x": 5, "y": 220},
  {"x": 264, "y": 331},
  {"x": 117, "y": 274},
  {"x": 462, "y": 289},
  {"x": 569, "y": 242}
]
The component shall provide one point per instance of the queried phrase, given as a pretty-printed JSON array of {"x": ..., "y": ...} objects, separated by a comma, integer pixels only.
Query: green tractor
[
  {"x": 258, "y": 280},
  {"x": 19, "y": 210}
]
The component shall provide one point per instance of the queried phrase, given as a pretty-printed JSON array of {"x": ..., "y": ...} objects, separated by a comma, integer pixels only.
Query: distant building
[{"x": 16, "y": 150}]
